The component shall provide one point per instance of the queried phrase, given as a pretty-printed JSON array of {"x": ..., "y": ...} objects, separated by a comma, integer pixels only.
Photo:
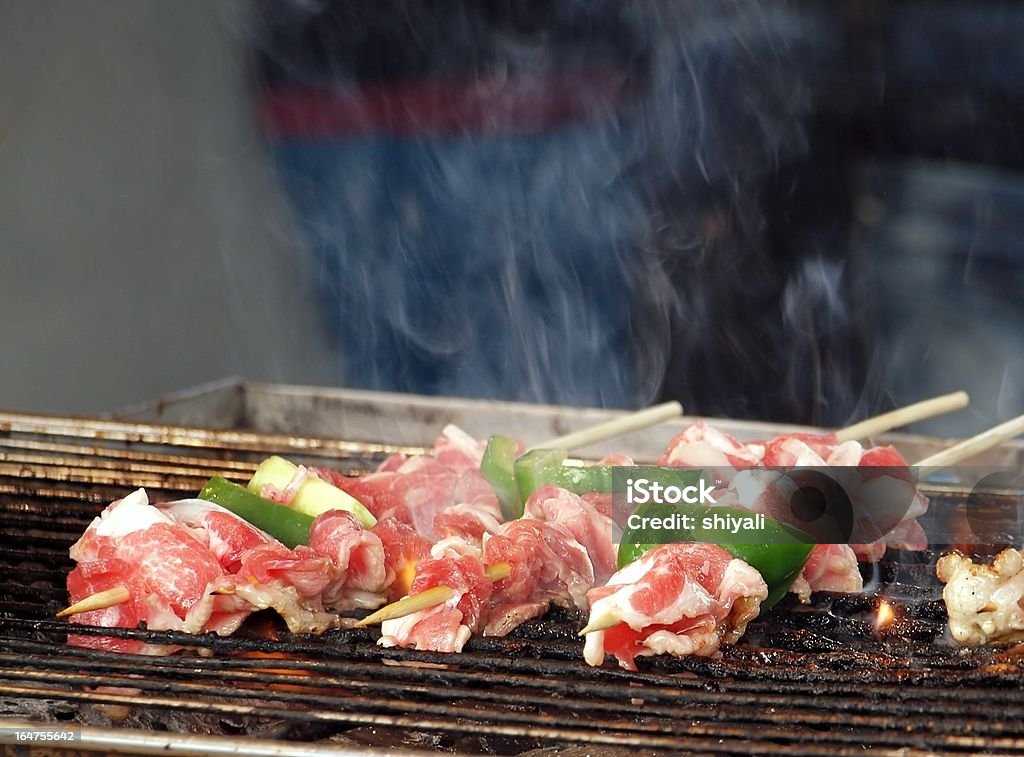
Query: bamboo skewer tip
[
  {"x": 498, "y": 571},
  {"x": 424, "y": 600},
  {"x": 101, "y": 600},
  {"x": 428, "y": 598},
  {"x": 602, "y": 623}
]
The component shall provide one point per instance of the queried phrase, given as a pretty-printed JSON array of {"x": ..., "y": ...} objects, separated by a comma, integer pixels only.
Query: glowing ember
[
  {"x": 885, "y": 617},
  {"x": 299, "y": 672},
  {"x": 403, "y": 580}
]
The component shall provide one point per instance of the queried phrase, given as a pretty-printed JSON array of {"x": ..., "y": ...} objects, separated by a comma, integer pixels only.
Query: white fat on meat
[
  {"x": 120, "y": 518},
  {"x": 204, "y": 539},
  {"x": 456, "y": 546},
  {"x": 847, "y": 453},
  {"x": 984, "y": 602},
  {"x": 358, "y": 574},
  {"x": 127, "y": 516}
]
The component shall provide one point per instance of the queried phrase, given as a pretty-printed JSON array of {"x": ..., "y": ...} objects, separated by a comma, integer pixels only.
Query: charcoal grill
[{"x": 817, "y": 680}]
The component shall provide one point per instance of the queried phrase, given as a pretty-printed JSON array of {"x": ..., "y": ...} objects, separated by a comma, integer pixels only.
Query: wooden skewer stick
[
  {"x": 424, "y": 600},
  {"x": 616, "y": 427},
  {"x": 101, "y": 600},
  {"x": 968, "y": 448},
  {"x": 437, "y": 595},
  {"x": 605, "y": 622},
  {"x": 498, "y": 571},
  {"x": 902, "y": 416}
]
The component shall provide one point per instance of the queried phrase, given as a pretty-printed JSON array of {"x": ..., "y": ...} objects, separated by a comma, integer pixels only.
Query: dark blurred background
[{"x": 796, "y": 211}]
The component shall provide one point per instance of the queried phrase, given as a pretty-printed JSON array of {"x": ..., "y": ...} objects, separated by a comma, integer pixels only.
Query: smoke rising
[{"x": 600, "y": 258}]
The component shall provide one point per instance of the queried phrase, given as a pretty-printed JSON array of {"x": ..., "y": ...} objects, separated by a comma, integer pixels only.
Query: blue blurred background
[{"x": 798, "y": 211}]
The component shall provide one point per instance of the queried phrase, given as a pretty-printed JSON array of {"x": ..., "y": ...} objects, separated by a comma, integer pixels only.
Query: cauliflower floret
[{"x": 984, "y": 602}]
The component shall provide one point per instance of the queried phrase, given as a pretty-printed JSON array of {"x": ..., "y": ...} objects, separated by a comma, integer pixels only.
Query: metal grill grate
[{"x": 808, "y": 680}]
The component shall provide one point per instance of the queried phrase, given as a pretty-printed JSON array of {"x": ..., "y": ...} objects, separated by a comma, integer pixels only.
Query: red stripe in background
[{"x": 484, "y": 106}]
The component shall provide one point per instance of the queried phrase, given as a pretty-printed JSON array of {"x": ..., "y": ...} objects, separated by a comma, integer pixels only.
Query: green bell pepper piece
[
  {"x": 290, "y": 527},
  {"x": 543, "y": 467},
  {"x": 498, "y": 467}
]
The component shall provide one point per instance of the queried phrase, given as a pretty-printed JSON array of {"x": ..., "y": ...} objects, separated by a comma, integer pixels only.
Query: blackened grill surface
[{"x": 815, "y": 679}]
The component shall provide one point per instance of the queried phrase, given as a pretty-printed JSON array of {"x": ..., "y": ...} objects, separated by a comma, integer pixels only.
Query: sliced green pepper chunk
[
  {"x": 290, "y": 527},
  {"x": 779, "y": 561},
  {"x": 538, "y": 468},
  {"x": 543, "y": 467},
  {"x": 498, "y": 467}
]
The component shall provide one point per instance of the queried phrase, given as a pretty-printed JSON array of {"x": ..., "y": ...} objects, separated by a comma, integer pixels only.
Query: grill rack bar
[{"x": 213, "y": 442}]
